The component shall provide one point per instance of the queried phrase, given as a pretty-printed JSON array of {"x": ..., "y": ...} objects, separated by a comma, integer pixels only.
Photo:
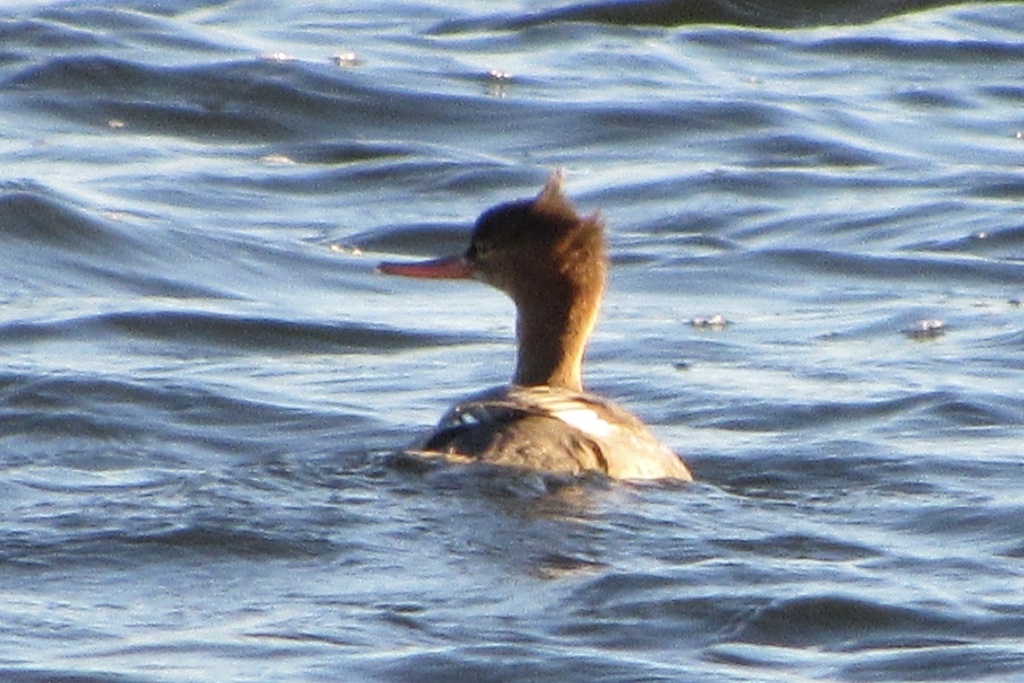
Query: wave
[
  {"x": 895, "y": 268},
  {"x": 209, "y": 539},
  {"x": 253, "y": 100},
  {"x": 206, "y": 332},
  {"x": 37, "y": 675},
  {"x": 840, "y": 621},
  {"x": 760, "y": 14},
  {"x": 29, "y": 213},
  {"x": 955, "y": 411},
  {"x": 53, "y": 243}
]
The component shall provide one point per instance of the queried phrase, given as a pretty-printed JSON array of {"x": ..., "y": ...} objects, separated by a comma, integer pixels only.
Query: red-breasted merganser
[{"x": 552, "y": 263}]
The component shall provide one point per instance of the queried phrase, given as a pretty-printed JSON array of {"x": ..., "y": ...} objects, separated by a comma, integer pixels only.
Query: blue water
[{"x": 203, "y": 379}]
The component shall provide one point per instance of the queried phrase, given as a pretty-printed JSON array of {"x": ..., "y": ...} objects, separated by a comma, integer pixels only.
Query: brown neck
[{"x": 552, "y": 333}]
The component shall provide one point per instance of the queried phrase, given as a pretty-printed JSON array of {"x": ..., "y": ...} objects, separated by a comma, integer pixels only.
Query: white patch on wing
[
  {"x": 584, "y": 419},
  {"x": 567, "y": 406}
]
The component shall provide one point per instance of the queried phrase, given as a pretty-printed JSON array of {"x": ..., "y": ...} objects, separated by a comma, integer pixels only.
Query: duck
[{"x": 552, "y": 262}]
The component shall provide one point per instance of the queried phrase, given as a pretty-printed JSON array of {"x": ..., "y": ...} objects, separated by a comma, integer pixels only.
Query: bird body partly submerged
[
  {"x": 551, "y": 429},
  {"x": 552, "y": 263}
]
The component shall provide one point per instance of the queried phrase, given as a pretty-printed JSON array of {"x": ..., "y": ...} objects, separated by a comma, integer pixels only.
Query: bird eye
[{"x": 478, "y": 251}]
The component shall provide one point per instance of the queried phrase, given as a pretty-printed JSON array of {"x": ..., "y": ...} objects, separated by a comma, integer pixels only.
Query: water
[{"x": 203, "y": 379}]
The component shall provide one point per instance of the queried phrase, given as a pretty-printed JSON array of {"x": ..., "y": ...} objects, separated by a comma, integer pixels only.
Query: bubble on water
[
  {"x": 346, "y": 59},
  {"x": 926, "y": 329},
  {"x": 709, "y": 322}
]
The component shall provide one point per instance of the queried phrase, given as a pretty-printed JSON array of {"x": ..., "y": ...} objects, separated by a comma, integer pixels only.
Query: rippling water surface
[{"x": 203, "y": 379}]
